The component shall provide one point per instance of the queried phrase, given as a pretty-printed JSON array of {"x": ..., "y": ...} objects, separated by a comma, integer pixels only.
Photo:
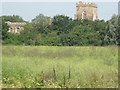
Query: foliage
[
  {"x": 61, "y": 24},
  {"x": 63, "y": 31},
  {"x": 29, "y": 36},
  {"x": 112, "y": 34},
  {"x": 7, "y": 37},
  {"x": 14, "y": 18},
  {"x": 41, "y": 22}
]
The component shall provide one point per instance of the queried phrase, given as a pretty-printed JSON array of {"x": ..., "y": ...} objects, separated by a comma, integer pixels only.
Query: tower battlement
[{"x": 86, "y": 4}]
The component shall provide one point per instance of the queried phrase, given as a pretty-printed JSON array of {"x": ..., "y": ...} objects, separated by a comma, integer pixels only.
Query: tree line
[{"x": 62, "y": 30}]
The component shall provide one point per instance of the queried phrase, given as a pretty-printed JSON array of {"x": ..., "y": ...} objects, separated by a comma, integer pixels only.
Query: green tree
[
  {"x": 14, "y": 18},
  {"x": 100, "y": 27},
  {"x": 61, "y": 23},
  {"x": 4, "y": 29},
  {"x": 84, "y": 35},
  {"x": 111, "y": 37},
  {"x": 9, "y": 38},
  {"x": 12, "y": 39},
  {"x": 29, "y": 36},
  {"x": 41, "y": 23}
]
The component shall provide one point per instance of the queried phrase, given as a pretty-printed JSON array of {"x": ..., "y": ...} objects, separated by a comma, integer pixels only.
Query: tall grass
[{"x": 56, "y": 67}]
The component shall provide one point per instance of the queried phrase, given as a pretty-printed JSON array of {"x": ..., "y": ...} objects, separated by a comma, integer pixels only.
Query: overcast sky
[{"x": 29, "y": 10}]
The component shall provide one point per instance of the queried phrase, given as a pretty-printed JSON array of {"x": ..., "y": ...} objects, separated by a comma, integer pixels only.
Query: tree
[
  {"x": 112, "y": 35},
  {"x": 41, "y": 23},
  {"x": 14, "y": 18},
  {"x": 61, "y": 23},
  {"x": 118, "y": 38},
  {"x": 63, "y": 31},
  {"x": 100, "y": 27},
  {"x": 9, "y": 38},
  {"x": 84, "y": 35},
  {"x": 12, "y": 39},
  {"x": 4, "y": 28},
  {"x": 29, "y": 36}
]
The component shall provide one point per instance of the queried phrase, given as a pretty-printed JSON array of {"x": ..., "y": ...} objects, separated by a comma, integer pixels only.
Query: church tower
[{"x": 86, "y": 10}]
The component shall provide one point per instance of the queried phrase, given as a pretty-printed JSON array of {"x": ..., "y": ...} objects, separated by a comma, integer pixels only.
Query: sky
[
  {"x": 119, "y": 8},
  {"x": 29, "y": 10}
]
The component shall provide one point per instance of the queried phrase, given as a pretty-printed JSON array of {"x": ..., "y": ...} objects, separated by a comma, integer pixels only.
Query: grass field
[{"x": 56, "y": 67}]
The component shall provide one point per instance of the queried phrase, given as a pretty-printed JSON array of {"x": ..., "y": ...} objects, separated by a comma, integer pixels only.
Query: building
[
  {"x": 15, "y": 27},
  {"x": 86, "y": 10}
]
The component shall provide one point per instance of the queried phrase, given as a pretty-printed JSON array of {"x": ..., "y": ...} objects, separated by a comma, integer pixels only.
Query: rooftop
[{"x": 15, "y": 23}]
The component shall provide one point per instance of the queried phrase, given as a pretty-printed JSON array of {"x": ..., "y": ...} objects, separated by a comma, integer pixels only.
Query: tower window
[{"x": 84, "y": 15}]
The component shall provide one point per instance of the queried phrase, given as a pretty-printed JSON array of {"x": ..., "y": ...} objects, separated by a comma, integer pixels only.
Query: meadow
[{"x": 59, "y": 67}]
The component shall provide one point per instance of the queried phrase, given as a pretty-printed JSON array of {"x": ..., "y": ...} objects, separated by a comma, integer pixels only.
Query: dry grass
[{"x": 56, "y": 67}]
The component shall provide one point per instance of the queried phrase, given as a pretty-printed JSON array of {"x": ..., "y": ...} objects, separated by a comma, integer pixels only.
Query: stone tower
[{"x": 86, "y": 10}]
